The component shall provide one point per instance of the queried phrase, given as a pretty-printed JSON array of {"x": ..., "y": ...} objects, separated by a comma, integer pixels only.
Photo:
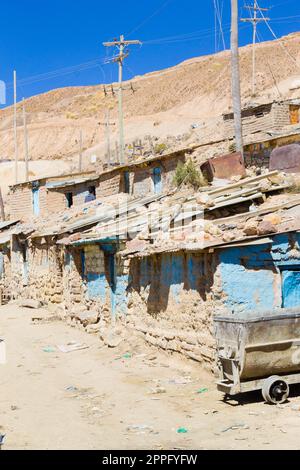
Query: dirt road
[{"x": 124, "y": 398}]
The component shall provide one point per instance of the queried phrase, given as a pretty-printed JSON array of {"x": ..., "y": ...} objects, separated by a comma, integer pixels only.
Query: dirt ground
[{"x": 132, "y": 397}]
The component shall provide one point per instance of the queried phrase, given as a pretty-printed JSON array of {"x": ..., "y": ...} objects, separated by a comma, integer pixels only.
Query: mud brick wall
[
  {"x": 263, "y": 277},
  {"x": 263, "y": 119},
  {"x": 57, "y": 200},
  {"x": 16, "y": 279},
  {"x": 109, "y": 185},
  {"x": 259, "y": 154},
  {"x": 20, "y": 201},
  {"x": 45, "y": 273},
  {"x": 73, "y": 278},
  {"x": 142, "y": 177},
  {"x": 170, "y": 302}
]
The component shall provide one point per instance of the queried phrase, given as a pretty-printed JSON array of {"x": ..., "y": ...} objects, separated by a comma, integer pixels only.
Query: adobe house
[
  {"x": 6, "y": 230},
  {"x": 173, "y": 296},
  {"x": 39, "y": 198},
  {"x": 258, "y": 153},
  {"x": 265, "y": 117},
  {"x": 151, "y": 176}
]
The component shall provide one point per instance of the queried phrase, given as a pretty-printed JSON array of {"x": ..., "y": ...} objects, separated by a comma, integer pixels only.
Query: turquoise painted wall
[{"x": 251, "y": 277}]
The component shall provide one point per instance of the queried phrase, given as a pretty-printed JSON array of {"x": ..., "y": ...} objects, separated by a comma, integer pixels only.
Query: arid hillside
[{"x": 164, "y": 103}]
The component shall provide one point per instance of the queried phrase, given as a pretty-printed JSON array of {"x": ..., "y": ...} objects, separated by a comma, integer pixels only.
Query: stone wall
[
  {"x": 259, "y": 154},
  {"x": 20, "y": 201},
  {"x": 170, "y": 302},
  {"x": 5, "y": 271},
  {"x": 265, "y": 118},
  {"x": 45, "y": 271},
  {"x": 95, "y": 279}
]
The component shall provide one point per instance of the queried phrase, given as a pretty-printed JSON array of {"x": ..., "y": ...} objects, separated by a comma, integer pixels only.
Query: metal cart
[{"x": 259, "y": 351}]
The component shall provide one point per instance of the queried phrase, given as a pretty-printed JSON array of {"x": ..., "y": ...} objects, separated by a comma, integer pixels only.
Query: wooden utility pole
[
  {"x": 15, "y": 128},
  {"x": 123, "y": 54},
  {"x": 236, "y": 84},
  {"x": 254, "y": 20},
  {"x": 80, "y": 151},
  {"x": 26, "y": 150},
  {"x": 107, "y": 125}
]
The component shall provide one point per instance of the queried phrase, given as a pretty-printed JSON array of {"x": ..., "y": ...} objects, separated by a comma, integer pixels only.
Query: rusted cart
[{"x": 259, "y": 351}]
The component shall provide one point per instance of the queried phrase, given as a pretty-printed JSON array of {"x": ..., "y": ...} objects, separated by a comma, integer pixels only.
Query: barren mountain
[{"x": 164, "y": 103}]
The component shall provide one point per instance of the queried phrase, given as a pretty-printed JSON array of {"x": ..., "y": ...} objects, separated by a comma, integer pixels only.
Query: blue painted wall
[
  {"x": 251, "y": 277},
  {"x": 164, "y": 278},
  {"x": 96, "y": 286}
]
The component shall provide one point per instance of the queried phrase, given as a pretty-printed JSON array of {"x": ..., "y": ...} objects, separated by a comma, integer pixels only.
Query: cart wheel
[{"x": 275, "y": 390}]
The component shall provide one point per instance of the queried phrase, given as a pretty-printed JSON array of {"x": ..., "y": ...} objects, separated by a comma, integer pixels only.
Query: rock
[
  {"x": 203, "y": 199},
  {"x": 93, "y": 329},
  {"x": 265, "y": 228},
  {"x": 113, "y": 341},
  {"x": 29, "y": 303},
  {"x": 250, "y": 228},
  {"x": 265, "y": 185},
  {"x": 296, "y": 407},
  {"x": 88, "y": 317},
  {"x": 274, "y": 219},
  {"x": 228, "y": 236}
]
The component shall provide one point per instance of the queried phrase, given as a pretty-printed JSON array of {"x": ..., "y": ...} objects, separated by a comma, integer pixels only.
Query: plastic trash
[
  {"x": 202, "y": 390},
  {"x": 49, "y": 349},
  {"x": 182, "y": 431},
  {"x": 2, "y": 439},
  {"x": 71, "y": 389}
]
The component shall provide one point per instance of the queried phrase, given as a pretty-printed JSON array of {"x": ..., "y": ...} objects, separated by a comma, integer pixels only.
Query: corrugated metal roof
[
  {"x": 8, "y": 223},
  {"x": 67, "y": 183}
]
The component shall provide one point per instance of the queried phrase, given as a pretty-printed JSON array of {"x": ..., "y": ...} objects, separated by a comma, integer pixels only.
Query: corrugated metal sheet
[
  {"x": 67, "y": 183},
  {"x": 5, "y": 237},
  {"x": 8, "y": 223},
  {"x": 224, "y": 167}
]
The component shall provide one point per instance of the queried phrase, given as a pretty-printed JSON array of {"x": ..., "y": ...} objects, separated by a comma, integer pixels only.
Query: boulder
[
  {"x": 274, "y": 219},
  {"x": 266, "y": 228},
  {"x": 250, "y": 228},
  {"x": 89, "y": 317},
  {"x": 29, "y": 303}
]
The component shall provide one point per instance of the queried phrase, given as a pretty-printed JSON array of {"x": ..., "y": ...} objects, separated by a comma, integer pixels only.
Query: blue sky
[{"x": 37, "y": 37}]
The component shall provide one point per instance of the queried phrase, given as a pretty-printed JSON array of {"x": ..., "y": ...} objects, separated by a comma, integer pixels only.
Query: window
[
  {"x": 290, "y": 287},
  {"x": 126, "y": 182},
  {"x": 70, "y": 202},
  {"x": 157, "y": 182},
  {"x": 91, "y": 196}
]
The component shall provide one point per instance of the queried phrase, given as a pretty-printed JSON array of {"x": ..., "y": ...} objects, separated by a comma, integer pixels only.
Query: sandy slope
[{"x": 195, "y": 91}]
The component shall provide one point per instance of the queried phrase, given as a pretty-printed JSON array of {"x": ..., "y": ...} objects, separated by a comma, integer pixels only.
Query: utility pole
[
  {"x": 107, "y": 125},
  {"x": 15, "y": 128},
  {"x": 123, "y": 54},
  {"x": 236, "y": 84},
  {"x": 254, "y": 20},
  {"x": 80, "y": 151},
  {"x": 26, "y": 151}
]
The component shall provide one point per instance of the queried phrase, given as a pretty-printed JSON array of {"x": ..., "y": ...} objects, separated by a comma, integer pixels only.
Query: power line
[
  {"x": 274, "y": 35},
  {"x": 254, "y": 20},
  {"x": 219, "y": 20},
  {"x": 58, "y": 73},
  {"x": 122, "y": 46},
  {"x": 155, "y": 13}
]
